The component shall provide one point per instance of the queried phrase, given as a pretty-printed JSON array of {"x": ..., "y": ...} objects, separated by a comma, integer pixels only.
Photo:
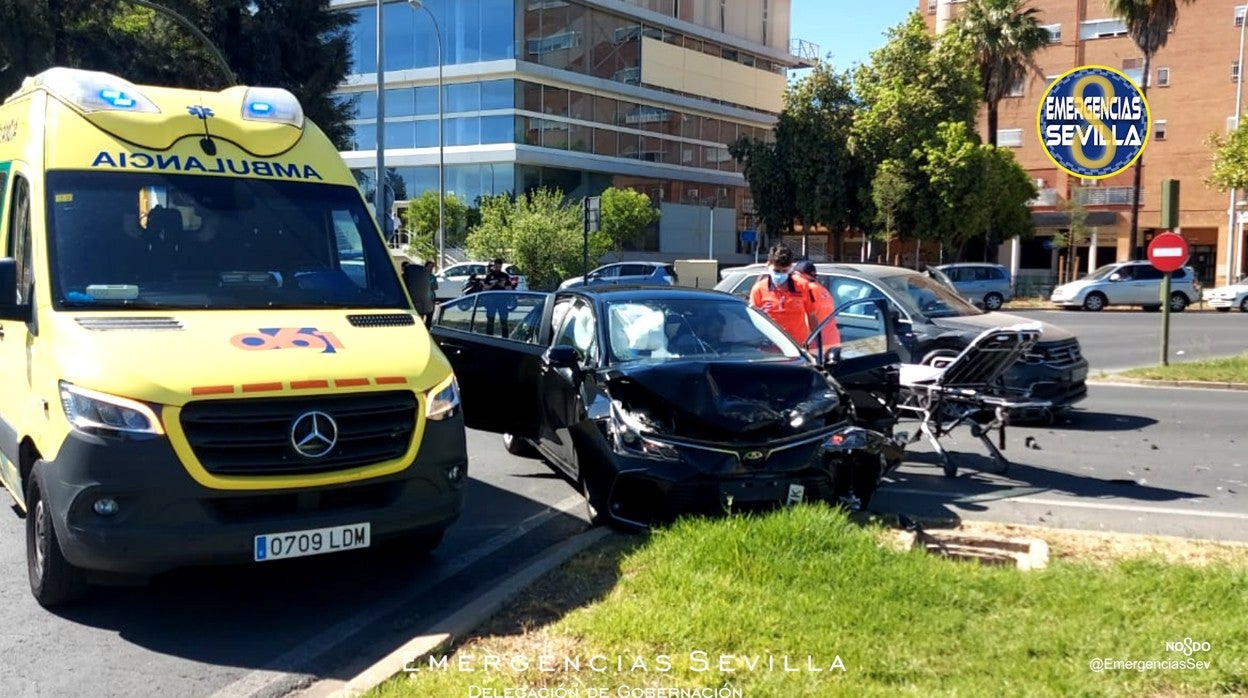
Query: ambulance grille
[
  {"x": 253, "y": 436},
  {"x": 392, "y": 320},
  {"x": 101, "y": 324}
]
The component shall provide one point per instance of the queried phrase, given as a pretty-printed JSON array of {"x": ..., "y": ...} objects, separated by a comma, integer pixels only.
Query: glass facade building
[{"x": 575, "y": 94}]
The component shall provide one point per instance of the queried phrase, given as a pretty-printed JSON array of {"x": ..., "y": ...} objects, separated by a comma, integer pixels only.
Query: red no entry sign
[{"x": 1168, "y": 252}]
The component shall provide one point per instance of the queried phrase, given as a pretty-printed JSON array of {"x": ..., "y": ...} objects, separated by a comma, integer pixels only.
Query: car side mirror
[
  {"x": 562, "y": 356},
  {"x": 416, "y": 279},
  {"x": 10, "y": 309}
]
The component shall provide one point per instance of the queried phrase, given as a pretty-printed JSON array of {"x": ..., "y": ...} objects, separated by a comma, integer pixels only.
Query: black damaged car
[{"x": 661, "y": 402}]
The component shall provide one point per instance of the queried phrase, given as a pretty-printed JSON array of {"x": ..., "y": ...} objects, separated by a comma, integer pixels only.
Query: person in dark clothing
[
  {"x": 496, "y": 280},
  {"x": 433, "y": 289}
]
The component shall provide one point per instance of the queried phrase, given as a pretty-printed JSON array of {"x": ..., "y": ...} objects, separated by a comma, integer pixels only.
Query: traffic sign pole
[
  {"x": 1165, "y": 319},
  {"x": 1167, "y": 253}
]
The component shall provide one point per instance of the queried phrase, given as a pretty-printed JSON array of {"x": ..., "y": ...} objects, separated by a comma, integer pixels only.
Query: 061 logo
[{"x": 287, "y": 338}]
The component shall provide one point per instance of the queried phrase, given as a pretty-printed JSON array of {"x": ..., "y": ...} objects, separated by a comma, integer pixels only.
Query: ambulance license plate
[{"x": 315, "y": 541}]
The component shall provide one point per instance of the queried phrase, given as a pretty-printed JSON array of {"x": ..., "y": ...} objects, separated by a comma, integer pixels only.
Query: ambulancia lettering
[{"x": 191, "y": 163}]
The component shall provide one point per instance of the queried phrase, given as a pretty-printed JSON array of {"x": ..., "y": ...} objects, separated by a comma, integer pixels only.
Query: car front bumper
[{"x": 165, "y": 519}]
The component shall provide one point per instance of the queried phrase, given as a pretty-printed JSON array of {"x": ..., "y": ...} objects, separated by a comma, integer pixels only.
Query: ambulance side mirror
[
  {"x": 10, "y": 309},
  {"x": 416, "y": 279}
]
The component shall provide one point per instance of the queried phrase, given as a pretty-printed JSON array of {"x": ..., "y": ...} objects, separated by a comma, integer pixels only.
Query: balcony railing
[
  {"x": 806, "y": 52},
  {"x": 1107, "y": 196},
  {"x": 1046, "y": 197}
]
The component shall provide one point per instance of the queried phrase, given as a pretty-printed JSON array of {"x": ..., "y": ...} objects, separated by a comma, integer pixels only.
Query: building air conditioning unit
[
  {"x": 1084, "y": 181},
  {"x": 1038, "y": 182}
]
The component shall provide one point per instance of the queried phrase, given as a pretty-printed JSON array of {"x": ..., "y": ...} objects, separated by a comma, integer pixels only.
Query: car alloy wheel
[
  {"x": 1178, "y": 302},
  {"x": 1243, "y": 305},
  {"x": 993, "y": 301},
  {"x": 1095, "y": 302}
]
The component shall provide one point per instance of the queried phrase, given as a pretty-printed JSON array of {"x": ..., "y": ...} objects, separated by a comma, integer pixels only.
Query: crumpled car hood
[{"x": 727, "y": 401}]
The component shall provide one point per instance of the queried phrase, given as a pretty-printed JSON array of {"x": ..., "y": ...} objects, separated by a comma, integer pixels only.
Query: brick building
[{"x": 1192, "y": 94}]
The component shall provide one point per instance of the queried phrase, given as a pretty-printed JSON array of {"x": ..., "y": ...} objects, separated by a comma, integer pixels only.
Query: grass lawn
[
  {"x": 722, "y": 604},
  {"x": 1230, "y": 370}
]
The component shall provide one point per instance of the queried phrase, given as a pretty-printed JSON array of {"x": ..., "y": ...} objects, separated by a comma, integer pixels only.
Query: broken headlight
[{"x": 630, "y": 436}]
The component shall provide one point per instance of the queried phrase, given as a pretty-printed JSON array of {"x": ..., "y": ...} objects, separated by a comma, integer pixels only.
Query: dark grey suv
[{"x": 936, "y": 321}]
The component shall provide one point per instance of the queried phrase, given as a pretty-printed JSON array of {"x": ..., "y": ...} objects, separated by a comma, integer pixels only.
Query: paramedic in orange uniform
[
  {"x": 824, "y": 305},
  {"x": 785, "y": 297}
]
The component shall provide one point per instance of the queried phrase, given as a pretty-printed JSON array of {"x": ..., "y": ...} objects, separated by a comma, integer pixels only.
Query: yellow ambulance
[{"x": 207, "y": 354}]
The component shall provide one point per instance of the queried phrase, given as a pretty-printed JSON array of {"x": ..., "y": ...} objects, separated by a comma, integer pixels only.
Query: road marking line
[
  {"x": 262, "y": 681},
  {"x": 1028, "y": 499}
]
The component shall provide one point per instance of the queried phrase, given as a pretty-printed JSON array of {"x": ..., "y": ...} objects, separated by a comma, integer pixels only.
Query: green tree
[
  {"x": 889, "y": 191},
  {"x": 771, "y": 183},
  {"x": 1071, "y": 238},
  {"x": 421, "y": 220},
  {"x": 913, "y": 86},
  {"x": 1148, "y": 23},
  {"x": 1230, "y": 160},
  {"x": 626, "y": 215},
  {"x": 539, "y": 232},
  {"x": 1004, "y": 36},
  {"x": 299, "y": 45}
]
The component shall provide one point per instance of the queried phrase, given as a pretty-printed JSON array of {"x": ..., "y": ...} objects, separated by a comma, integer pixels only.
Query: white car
[
  {"x": 1230, "y": 296},
  {"x": 1127, "y": 283},
  {"x": 451, "y": 280}
]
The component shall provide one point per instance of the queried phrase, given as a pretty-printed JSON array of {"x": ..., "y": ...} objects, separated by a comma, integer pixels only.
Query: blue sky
[{"x": 848, "y": 29}]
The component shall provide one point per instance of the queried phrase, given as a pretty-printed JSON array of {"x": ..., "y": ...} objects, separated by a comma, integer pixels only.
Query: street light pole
[
  {"x": 419, "y": 5},
  {"x": 189, "y": 26},
  {"x": 1233, "y": 237},
  {"x": 379, "y": 195}
]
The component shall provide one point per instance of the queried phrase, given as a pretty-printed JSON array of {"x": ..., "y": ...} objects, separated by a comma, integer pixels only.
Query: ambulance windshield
[{"x": 139, "y": 240}]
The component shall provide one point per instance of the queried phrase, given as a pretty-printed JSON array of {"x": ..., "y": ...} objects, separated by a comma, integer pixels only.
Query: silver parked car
[
  {"x": 1128, "y": 283},
  {"x": 981, "y": 282},
  {"x": 627, "y": 273}
]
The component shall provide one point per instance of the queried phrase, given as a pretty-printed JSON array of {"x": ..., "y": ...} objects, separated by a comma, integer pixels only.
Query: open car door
[
  {"x": 865, "y": 362},
  {"x": 494, "y": 342}
]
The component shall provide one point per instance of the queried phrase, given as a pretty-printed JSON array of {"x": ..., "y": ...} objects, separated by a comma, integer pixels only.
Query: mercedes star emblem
[{"x": 313, "y": 434}]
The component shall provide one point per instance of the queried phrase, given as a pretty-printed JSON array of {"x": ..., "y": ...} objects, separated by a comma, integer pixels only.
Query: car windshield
[
  {"x": 152, "y": 240},
  {"x": 667, "y": 328},
  {"x": 1101, "y": 272},
  {"x": 924, "y": 295}
]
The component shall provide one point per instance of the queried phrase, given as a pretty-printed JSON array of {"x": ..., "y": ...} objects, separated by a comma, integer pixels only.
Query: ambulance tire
[{"x": 53, "y": 580}]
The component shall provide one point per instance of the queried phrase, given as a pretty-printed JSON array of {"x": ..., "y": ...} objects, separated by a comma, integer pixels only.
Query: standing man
[
  {"x": 432, "y": 268},
  {"x": 784, "y": 296},
  {"x": 824, "y": 304},
  {"x": 495, "y": 280}
]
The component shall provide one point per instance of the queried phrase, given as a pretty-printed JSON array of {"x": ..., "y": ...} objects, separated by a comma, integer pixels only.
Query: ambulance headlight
[
  {"x": 443, "y": 400},
  {"x": 93, "y": 91},
  {"x": 272, "y": 104},
  {"x": 94, "y": 412}
]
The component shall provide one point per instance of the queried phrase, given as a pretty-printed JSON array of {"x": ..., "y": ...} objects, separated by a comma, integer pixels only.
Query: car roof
[
  {"x": 659, "y": 291},
  {"x": 647, "y": 264},
  {"x": 874, "y": 271},
  {"x": 969, "y": 264}
]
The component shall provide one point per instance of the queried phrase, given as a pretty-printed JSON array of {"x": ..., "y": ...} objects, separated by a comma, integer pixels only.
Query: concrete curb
[{"x": 459, "y": 624}]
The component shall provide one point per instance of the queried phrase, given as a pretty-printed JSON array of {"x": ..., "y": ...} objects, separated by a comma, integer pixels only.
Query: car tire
[
  {"x": 1095, "y": 302},
  {"x": 1178, "y": 302},
  {"x": 993, "y": 301},
  {"x": 517, "y": 446},
  {"x": 1152, "y": 308},
  {"x": 1228, "y": 309},
  {"x": 595, "y": 496},
  {"x": 1243, "y": 305},
  {"x": 53, "y": 580}
]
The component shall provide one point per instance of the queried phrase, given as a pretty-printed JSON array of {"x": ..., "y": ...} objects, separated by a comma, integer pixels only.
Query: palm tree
[
  {"x": 1148, "y": 23},
  {"x": 1005, "y": 36}
]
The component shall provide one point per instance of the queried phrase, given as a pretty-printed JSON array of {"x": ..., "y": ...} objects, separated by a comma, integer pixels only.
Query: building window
[
  {"x": 1163, "y": 77},
  {"x": 1239, "y": 15},
  {"x": 1050, "y": 79},
  {"x": 1055, "y": 32},
  {"x": 1232, "y": 123},
  {"x": 931, "y": 7},
  {"x": 1159, "y": 130},
  {"x": 1102, "y": 28},
  {"x": 1017, "y": 89},
  {"x": 1010, "y": 137},
  {"x": 1235, "y": 71}
]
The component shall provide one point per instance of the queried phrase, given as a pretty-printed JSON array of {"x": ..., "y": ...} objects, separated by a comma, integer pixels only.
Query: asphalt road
[
  {"x": 1129, "y": 459},
  {"x": 1115, "y": 340}
]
